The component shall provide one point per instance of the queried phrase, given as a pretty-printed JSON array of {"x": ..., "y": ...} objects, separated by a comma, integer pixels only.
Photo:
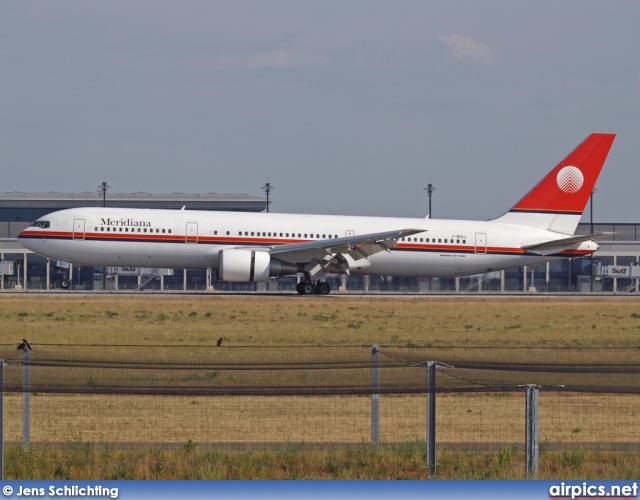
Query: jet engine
[{"x": 238, "y": 264}]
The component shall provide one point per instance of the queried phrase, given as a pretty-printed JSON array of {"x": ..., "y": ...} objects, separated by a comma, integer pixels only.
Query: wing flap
[{"x": 357, "y": 247}]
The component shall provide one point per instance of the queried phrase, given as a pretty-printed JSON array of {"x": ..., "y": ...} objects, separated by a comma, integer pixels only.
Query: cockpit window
[{"x": 42, "y": 224}]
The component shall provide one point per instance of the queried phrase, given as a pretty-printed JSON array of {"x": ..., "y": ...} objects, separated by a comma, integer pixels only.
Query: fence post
[
  {"x": 532, "y": 430},
  {"x": 431, "y": 417},
  {"x": 26, "y": 397},
  {"x": 375, "y": 394},
  {"x": 1, "y": 419}
]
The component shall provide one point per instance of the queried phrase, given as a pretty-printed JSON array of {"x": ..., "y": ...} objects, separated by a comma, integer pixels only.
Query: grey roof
[
  {"x": 199, "y": 201},
  {"x": 92, "y": 196}
]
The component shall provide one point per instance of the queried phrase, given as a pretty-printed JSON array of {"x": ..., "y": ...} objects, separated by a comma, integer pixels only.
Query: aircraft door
[
  {"x": 192, "y": 232},
  {"x": 78, "y": 229},
  {"x": 481, "y": 243}
]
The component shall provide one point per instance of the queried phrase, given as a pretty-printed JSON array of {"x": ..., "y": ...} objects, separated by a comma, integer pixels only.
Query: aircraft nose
[{"x": 24, "y": 238}]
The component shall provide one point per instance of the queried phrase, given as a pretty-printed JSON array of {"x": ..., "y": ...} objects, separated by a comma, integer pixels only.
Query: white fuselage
[{"x": 193, "y": 239}]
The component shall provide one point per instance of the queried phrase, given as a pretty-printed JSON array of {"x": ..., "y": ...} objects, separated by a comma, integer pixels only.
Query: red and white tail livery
[
  {"x": 255, "y": 247},
  {"x": 558, "y": 200}
]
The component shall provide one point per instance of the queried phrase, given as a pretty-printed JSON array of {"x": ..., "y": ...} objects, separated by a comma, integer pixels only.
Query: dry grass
[
  {"x": 490, "y": 418},
  {"x": 319, "y": 321},
  {"x": 563, "y": 330}
]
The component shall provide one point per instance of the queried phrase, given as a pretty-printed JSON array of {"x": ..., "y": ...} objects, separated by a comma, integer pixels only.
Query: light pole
[
  {"x": 591, "y": 227},
  {"x": 267, "y": 189},
  {"x": 102, "y": 188},
  {"x": 591, "y": 208},
  {"x": 430, "y": 189}
]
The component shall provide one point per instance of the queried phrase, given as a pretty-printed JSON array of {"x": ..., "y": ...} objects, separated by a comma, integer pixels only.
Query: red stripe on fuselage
[{"x": 232, "y": 240}]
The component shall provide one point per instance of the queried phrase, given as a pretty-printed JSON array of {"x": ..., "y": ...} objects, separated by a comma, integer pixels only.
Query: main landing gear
[{"x": 317, "y": 288}]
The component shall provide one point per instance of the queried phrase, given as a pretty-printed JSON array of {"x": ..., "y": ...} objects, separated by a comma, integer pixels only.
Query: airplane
[{"x": 250, "y": 247}]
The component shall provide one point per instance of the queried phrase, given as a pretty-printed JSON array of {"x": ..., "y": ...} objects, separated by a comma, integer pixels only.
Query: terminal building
[{"x": 614, "y": 268}]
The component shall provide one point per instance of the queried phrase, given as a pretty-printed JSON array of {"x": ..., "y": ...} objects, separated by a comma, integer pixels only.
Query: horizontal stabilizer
[{"x": 565, "y": 242}]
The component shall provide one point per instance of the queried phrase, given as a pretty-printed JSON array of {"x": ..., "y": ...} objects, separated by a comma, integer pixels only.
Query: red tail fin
[{"x": 565, "y": 190}]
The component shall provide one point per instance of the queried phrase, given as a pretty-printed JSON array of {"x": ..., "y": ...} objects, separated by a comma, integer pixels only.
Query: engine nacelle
[{"x": 237, "y": 264}]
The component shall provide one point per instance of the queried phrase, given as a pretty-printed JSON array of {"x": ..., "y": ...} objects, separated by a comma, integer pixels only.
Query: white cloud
[{"x": 467, "y": 49}]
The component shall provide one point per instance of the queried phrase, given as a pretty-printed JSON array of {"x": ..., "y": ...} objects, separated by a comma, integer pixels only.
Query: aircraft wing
[
  {"x": 355, "y": 247},
  {"x": 565, "y": 242}
]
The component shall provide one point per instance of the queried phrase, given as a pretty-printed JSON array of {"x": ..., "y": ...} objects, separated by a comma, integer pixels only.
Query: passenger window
[
  {"x": 439, "y": 240},
  {"x": 126, "y": 229},
  {"x": 119, "y": 229},
  {"x": 95, "y": 229},
  {"x": 169, "y": 231}
]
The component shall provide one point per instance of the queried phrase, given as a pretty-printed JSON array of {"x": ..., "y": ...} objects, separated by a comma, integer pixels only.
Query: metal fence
[{"x": 248, "y": 397}]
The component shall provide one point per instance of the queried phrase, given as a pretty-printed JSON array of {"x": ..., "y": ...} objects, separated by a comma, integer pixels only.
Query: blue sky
[{"x": 346, "y": 107}]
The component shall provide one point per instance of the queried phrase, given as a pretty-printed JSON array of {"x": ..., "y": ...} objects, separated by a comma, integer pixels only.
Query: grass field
[
  {"x": 562, "y": 332},
  {"x": 403, "y": 461},
  {"x": 319, "y": 321}
]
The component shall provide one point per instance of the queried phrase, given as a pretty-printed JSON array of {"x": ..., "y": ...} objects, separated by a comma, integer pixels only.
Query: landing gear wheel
[
  {"x": 307, "y": 288},
  {"x": 322, "y": 288}
]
